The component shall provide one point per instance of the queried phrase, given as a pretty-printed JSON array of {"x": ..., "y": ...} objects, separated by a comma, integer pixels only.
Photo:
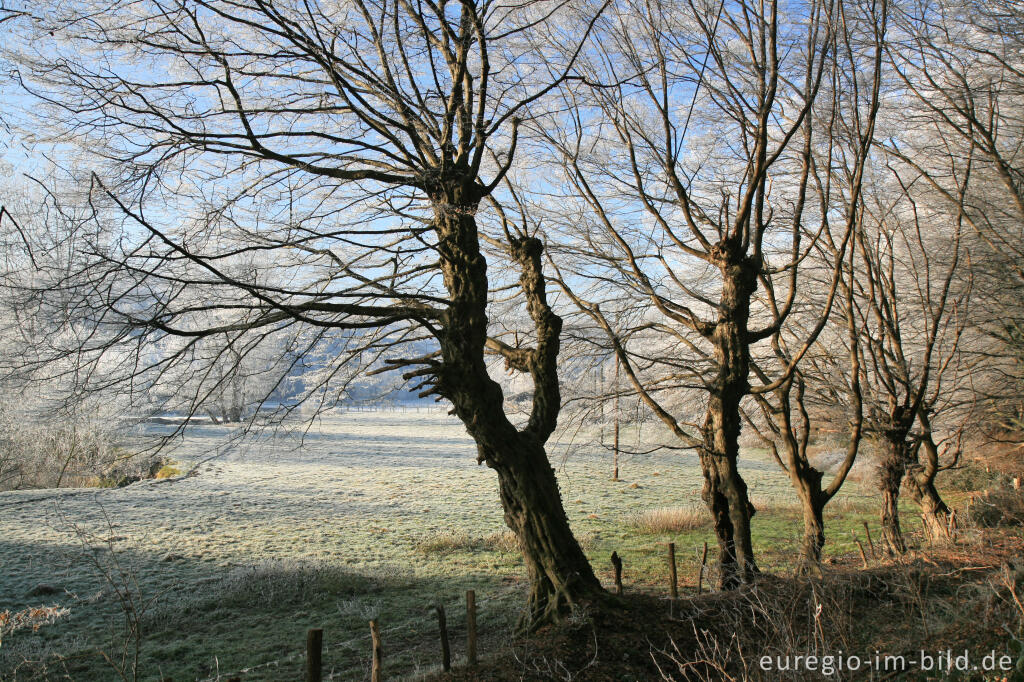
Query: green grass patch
[{"x": 370, "y": 515}]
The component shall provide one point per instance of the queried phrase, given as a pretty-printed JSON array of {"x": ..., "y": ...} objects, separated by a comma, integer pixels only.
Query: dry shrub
[
  {"x": 670, "y": 520},
  {"x": 731, "y": 632},
  {"x": 997, "y": 508},
  {"x": 972, "y": 477},
  {"x": 780, "y": 618}
]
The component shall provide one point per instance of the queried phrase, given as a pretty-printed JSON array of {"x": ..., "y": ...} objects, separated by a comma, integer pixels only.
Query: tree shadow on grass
[{"x": 151, "y": 614}]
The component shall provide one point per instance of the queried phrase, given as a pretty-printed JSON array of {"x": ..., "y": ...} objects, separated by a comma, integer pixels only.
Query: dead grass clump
[
  {"x": 34, "y": 618},
  {"x": 776, "y": 504},
  {"x": 502, "y": 541},
  {"x": 852, "y": 505},
  {"x": 275, "y": 582},
  {"x": 449, "y": 541},
  {"x": 670, "y": 520}
]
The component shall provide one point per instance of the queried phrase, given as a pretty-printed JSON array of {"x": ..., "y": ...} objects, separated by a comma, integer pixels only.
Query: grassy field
[{"x": 364, "y": 515}]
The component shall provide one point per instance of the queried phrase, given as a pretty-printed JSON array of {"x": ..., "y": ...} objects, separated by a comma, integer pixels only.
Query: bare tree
[
  {"x": 351, "y": 145},
  {"x": 789, "y": 416},
  {"x": 960, "y": 61},
  {"x": 911, "y": 313},
  {"x": 692, "y": 154}
]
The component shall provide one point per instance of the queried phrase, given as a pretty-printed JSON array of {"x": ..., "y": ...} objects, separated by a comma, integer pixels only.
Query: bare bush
[
  {"x": 997, "y": 508},
  {"x": 811, "y": 617},
  {"x": 59, "y": 451}
]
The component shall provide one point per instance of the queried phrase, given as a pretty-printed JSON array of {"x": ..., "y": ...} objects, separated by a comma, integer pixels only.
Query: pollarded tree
[
  {"x": 692, "y": 153},
  {"x": 841, "y": 161},
  {"x": 351, "y": 144},
  {"x": 962, "y": 61},
  {"x": 911, "y": 312}
]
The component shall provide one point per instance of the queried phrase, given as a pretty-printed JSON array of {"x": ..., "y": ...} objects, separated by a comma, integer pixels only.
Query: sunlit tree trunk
[
  {"x": 920, "y": 483},
  {"x": 725, "y": 492}
]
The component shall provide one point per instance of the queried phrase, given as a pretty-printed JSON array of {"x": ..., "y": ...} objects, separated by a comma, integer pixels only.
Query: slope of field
[{"x": 363, "y": 515}]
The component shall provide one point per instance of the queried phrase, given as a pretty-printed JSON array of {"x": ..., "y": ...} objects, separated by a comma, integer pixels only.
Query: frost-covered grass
[{"x": 364, "y": 515}]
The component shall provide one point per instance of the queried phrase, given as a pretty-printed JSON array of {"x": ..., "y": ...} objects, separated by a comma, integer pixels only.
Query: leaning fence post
[
  {"x": 617, "y": 564},
  {"x": 471, "y": 627},
  {"x": 863, "y": 556},
  {"x": 867, "y": 530},
  {"x": 314, "y": 651},
  {"x": 446, "y": 652},
  {"x": 703, "y": 563},
  {"x": 673, "y": 583},
  {"x": 375, "y": 636}
]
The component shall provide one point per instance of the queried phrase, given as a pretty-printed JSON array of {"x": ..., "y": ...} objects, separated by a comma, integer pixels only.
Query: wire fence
[{"x": 426, "y": 624}]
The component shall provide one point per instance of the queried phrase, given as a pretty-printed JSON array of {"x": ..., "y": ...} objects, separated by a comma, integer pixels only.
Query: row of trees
[{"x": 793, "y": 218}]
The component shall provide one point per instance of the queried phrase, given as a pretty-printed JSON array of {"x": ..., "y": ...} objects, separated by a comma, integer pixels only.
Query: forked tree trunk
[
  {"x": 560, "y": 575},
  {"x": 804, "y": 477},
  {"x": 725, "y": 492},
  {"x": 921, "y": 485},
  {"x": 890, "y": 476}
]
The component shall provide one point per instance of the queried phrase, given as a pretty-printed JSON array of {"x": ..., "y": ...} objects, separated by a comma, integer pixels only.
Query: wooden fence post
[
  {"x": 673, "y": 584},
  {"x": 376, "y": 666},
  {"x": 703, "y": 563},
  {"x": 617, "y": 564},
  {"x": 471, "y": 627},
  {"x": 863, "y": 556},
  {"x": 446, "y": 652},
  {"x": 867, "y": 530},
  {"x": 314, "y": 654}
]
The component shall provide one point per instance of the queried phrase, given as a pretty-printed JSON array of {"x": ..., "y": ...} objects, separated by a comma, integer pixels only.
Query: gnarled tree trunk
[
  {"x": 920, "y": 484},
  {"x": 560, "y": 575},
  {"x": 891, "y": 469},
  {"x": 725, "y": 492},
  {"x": 812, "y": 505},
  {"x": 934, "y": 511}
]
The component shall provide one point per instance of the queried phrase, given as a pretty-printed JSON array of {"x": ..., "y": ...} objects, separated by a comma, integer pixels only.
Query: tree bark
[
  {"x": 921, "y": 485},
  {"x": 934, "y": 511},
  {"x": 890, "y": 476},
  {"x": 559, "y": 573},
  {"x": 807, "y": 481},
  {"x": 814, "y": 531},
  {"x": 725, "y": 492}
]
